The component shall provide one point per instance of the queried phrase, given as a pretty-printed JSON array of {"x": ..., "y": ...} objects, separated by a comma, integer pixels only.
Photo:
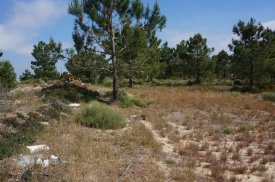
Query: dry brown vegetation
[{"x": 189, "y": 134}]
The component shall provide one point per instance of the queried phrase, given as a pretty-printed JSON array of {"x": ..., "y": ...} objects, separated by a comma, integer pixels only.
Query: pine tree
[
  {"x": 199, "y": 53},
  {"x": 46, "y": 55},
  {"x": 167, "y": 57},
  {"x": 247, "y": 50},
  {"x": 221, "y": 61},
  {"x": 107, "y": 20},
  {"x": 182, "y": 59},
  {"x": 7, "y": 74},
  {"x": 26, "y": 75}
]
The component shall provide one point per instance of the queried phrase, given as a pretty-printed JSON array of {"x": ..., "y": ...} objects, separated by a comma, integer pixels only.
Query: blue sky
[{"x": 25, "y": 22}]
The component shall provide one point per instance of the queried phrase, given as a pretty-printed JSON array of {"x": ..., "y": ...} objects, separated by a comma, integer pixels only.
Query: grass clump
[
  {"x": 269, "y": 96},
  {"x": 97, "y": 115}
]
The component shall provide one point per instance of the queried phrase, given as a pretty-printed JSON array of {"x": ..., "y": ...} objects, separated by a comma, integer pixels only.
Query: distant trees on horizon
[{"x": 127, "y": 47}]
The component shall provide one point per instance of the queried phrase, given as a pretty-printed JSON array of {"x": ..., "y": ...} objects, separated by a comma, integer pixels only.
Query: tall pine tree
[{"x": 107, "y": 20}]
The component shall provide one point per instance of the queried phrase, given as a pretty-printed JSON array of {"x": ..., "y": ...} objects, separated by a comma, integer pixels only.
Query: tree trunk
[
  {"x": 114, "y": 63},
  {"x": 251, "y": 79},
  {"x": 130, "y": 82}
]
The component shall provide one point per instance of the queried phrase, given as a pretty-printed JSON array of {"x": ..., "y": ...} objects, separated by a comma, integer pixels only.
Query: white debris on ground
[
  {"x": 38, "y": 148},
  {"x": 74, "y": 105},
  {"x": 28, "y": 161}
]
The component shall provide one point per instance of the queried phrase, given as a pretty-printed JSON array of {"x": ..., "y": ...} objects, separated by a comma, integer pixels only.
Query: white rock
[
  {"x": 26, "y": 161},
  {"x": 54, "y": 160},
  {"x": 74, "y": 105},
  {"x": 45, "y": 163},
  {"x": 45, "y": 123},
  {"x": 39, "y": 161},
  {"x": 37, "y": 148}
]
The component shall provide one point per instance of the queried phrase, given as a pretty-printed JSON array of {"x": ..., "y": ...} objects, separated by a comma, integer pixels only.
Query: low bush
[
  {"x": 97, "y": 115},
  {"x": 269, "y": 96}
]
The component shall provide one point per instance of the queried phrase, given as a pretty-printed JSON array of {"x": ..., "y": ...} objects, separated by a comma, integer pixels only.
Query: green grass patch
[
  {"x": 98, "y": 115},
  {"x": 269, "y": 96}
]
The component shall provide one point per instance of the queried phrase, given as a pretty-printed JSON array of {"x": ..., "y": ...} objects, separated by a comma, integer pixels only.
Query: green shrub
[
  {"x": 97, "y": 115},
  {"x": 269, "y": 96}
]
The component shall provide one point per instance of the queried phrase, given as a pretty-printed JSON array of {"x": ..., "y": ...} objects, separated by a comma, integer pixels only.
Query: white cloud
[
  {"x": 270, "y": 24},
  {"x": 174, "y": 36},
  {"x": 18, "y": 32}
]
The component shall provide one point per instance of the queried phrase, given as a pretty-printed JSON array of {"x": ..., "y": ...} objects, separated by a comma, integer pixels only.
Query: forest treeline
[{"x": 119, "y": 41}]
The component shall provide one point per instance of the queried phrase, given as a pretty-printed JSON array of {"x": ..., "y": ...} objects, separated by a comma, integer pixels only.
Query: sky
[{"x": 24, "y": 23}]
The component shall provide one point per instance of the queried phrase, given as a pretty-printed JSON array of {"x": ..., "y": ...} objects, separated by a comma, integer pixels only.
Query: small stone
[{"x": 54, "y": 160}]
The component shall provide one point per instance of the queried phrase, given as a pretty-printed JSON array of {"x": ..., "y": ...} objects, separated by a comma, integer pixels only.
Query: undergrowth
[{"x": 12, "y": 143}]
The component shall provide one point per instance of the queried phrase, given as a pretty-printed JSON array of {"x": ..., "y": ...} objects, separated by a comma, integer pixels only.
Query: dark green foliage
[
  {"x": 221, "y": 64},
  {"x": 253, "y": 58},
  {"x": 88, "y": 67},
  {"x": 199, "y": 54},
  {"x": 26, "y": 75},
  {"x": 167, "y": 57},
  {"x": 70, "y": 93},
  {"x": 133, "y": 59},
  {"x": 7, "y": 74},
  {"x": 12, "y": 142},
  {"x": 182, "y": 67},
  {"x": 97, "y": 115},
  {"x": 269, "y": 96},
  {"x": 46, "y": 55}
]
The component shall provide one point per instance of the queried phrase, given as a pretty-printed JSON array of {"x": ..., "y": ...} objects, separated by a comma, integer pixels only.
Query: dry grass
[
  {"x": 95, "y": 155},
  {"x": 212, "y": 117},
  {"x": 228, "y": 131}
]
